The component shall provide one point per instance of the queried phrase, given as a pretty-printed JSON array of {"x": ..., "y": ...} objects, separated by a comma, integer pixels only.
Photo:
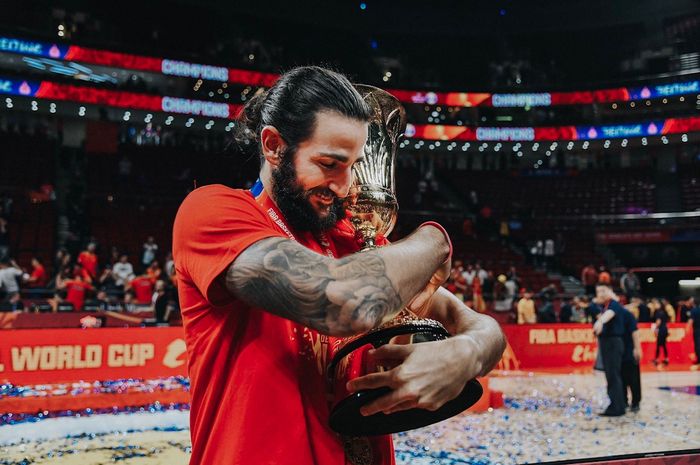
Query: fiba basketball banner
[
  {"x": 540, "y": 346},
  {"x": 44, "y": 356}
]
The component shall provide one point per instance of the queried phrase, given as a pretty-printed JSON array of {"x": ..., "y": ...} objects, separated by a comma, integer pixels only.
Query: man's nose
[{"x": 340, "y": 185}]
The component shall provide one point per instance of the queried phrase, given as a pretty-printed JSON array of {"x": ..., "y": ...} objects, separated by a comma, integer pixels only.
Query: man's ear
[{"x": 272, "y": 144}]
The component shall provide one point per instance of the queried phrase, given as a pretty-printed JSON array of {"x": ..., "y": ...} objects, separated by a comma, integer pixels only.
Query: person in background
[
  {"x": 644, "y": 312},
  {"x": 669, "y": 310},
  {"x": 154, "y": 271},
  {"x": 169, "y": 265},
  {"x": 469, "y": 274},
  {"x": 502, "y": 301},
  {"x": 102, "y": 301},
  {"x": 129, "y": 305},
  {"x": 122, "y": 271},
  {"x": 610, "y": 329},
  {"x": 591, "y": 309},
  {"x": 142, "y": 286},
  {"x": 631, "y": 358},
  {"x": 546, "y": 313},
  {"x": 630, "y": 284},
  {"x": 76, "y": 289},
  {"x": 478, "y": 296},
  {"x": 604, "y": 276},
  {"x": 684, "y": 308},
  {"x": 461, "y": 285},
  {"x": 589, "y": 278},
  {"x": 150, "y": 248},
  {"x": 566, "y": 311},
  {"x": 9, "y": 273},
  {"x": 578, "y": 314},
  {"x": 38, "y": 277},
  {"x": 487, "y": 286},
  {"x": 88, "y": 260},
  {"x": 512, "y": 275},
  {"x": 693, "y": 318},
  {"x": 526, "y": 309},
  {"x": 160, "y": 302},
  {"x": 661, "y": 331}
]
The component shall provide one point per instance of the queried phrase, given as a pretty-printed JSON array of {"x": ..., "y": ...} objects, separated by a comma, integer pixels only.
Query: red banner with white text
[
  {"x": 45, "y": 356},
  {"x": 545, "y": 346}
]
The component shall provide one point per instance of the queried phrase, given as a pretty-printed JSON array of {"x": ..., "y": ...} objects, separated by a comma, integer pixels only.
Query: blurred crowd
[{"x": 82, "y": 283}]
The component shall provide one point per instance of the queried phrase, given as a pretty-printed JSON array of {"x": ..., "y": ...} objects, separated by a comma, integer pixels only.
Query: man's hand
[
  {"x": 598, "y": 327},
  {"x": 637, "y": 354},
  {"x": 425, "y": 375}
]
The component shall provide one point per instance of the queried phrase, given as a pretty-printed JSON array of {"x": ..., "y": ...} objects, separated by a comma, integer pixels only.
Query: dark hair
[{"x": 291, "y": 104}]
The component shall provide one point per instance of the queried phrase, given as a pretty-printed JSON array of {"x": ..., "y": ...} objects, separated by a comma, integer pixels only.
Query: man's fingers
[
  {"x": 392, "y": 352},
  {"x": 406, "y": 405},
  {"x": 387, "y": 402},
  {"x": 370, "y": 381}
]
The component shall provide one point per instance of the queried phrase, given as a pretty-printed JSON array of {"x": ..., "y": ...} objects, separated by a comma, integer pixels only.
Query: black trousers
[
  {"x": 611, "y": 349},
  {"x": 631, "y": 381},
  {"x": 661, "y": 343},
  {"x": 696, "y": 339}
]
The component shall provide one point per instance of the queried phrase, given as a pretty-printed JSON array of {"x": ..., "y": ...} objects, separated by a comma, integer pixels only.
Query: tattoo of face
[{"x": 340, "y": 297}]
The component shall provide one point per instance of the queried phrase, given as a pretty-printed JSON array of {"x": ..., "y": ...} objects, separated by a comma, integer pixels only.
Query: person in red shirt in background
[
  {"x": 88, "y": 260},
  {"x": 154, "y": 271},
  {"x": 143, "y": 289},
  {"x": 38, "y": 277},
  {"x": 269, "y": 282},
  {"x": 589, "y": 278},
  {"x": 604, "y": 276},
  {"x": 76, "y": 289},
  {"x": 79, "y": 270},
  {"x": 479, "y": 303}
]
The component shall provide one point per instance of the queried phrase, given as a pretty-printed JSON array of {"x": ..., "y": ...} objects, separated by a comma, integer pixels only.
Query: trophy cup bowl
[{"x": 372, "y": 209}]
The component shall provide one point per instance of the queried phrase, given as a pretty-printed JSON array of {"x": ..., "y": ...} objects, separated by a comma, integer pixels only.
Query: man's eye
[{"x": 329, "y": 166}]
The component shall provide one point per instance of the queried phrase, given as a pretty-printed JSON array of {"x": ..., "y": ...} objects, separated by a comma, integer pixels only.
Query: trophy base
[{"x": 346, "y": 417}]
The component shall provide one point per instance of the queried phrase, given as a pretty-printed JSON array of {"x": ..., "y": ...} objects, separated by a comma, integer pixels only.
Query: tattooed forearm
[{"x": 338, "y": 297}]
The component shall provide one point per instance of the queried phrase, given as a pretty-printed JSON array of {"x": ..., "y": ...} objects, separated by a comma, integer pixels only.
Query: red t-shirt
[
  {"x": 38, "y": 277},
  {"x": 75, "y": 293},
  {"x": 259, "y": 392},
  {"x": 89, "y": 262},
  {"x": 143, "y": 289}
]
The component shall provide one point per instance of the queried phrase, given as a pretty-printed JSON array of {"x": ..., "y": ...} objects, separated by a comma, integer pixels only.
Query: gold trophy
[{"x": 372, "y": 209}]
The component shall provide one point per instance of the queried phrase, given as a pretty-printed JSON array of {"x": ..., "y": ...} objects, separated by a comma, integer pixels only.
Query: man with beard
[{"x": 269, "y": 280}]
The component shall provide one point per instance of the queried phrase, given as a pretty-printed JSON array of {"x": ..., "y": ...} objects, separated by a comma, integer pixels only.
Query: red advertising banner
[
  {"x": 44, "y": 356},
  {"x": 574, "y": 346}
]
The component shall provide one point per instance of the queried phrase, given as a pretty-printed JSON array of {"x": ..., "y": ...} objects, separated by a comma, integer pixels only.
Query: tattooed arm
[{"x": 336, "y": 297}]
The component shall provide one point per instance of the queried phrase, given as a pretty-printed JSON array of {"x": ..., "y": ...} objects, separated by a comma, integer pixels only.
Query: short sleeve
[{"x": 213, "y": 225}]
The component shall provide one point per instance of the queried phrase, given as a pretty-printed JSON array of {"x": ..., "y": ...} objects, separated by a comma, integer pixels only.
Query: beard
[{"x": 293, "y": 200}]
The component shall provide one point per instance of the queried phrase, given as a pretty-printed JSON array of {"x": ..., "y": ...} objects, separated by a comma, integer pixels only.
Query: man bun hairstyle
[{"x": 292, "y": 103}]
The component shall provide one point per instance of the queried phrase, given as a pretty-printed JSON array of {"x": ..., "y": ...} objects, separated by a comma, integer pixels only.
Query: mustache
[{"x": 324, "y": 192}]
